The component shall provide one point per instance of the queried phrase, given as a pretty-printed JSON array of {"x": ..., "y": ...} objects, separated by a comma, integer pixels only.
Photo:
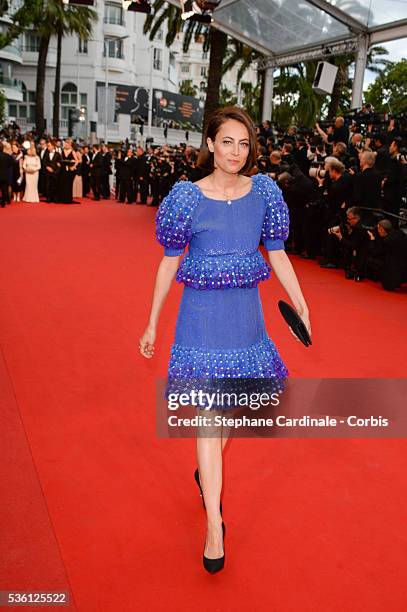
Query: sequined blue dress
[{"x": 220, "y": 331}]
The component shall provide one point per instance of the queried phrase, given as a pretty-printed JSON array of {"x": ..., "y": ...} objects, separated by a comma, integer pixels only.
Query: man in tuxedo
[
  {"x": 126, "y": 183},
  {"x": 142, "y": 173},
  {"x": 96, "y": 171},
  {"x": 5, "y": 164},
  {"x": 42, "y": 153},
  {"x": 107, "y": 171},
  {"x": 53, "y": 165},
  {"x": 85, "y": 170}
]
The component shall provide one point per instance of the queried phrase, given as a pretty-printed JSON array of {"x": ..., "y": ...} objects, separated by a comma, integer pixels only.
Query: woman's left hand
[{"x": 305, "y": 318}]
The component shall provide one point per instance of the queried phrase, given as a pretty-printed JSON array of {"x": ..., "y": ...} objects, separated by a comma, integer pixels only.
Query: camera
[
  {"x": 317, "y": 171},
  {"x": 334, "y": 230}
]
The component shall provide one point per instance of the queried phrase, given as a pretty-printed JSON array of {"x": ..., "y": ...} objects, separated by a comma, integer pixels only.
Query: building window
[
  {"x": 31, "y": 42},
  {"x": 203, "y": 71},
  {"x": 185, "y": 68},
  {"x": 204, "y": 55},
  {"x": 82, "y": 46},
  {"x": 12, "y": 110},
  {"x": 202, "y": 86},
  {"x": 113, "y": 14},
  {"x": 158, "y": 59},
  {"x": 26, "y": 108},
  {"x": 84, "y": 100},
  {"x": 159, "y": 34},
  {"x": 69, "y": 99},
  {"x": 115, "y": 48}
]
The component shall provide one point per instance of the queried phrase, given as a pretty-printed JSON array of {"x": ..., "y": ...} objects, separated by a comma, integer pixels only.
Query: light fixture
[
  {"x": 137, "y": 6},
  {"x": 198, "y": 10},
  {"x": 79, "y": 2}
]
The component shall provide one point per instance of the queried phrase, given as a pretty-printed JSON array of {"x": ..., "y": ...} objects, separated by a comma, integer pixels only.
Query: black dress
[{"x": 66, "y": 178}]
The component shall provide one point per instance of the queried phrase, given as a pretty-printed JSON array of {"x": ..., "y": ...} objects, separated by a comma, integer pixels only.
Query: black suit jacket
[
  {"x": 96, "y": 164},
  {"x": 54, "y": 163},
  {"x": 127, "y": 169},
  {"x": 5, "y": 165},
  {"x": 367, "y": 189}
]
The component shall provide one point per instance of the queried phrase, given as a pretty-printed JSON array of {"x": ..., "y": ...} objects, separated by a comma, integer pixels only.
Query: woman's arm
[
  {"x": 165, "y": 275},
  {"x": 285, "y": 273}
]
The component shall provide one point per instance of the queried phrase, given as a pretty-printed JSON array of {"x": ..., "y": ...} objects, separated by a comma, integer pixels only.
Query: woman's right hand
[{"x": 146, "y": 342}]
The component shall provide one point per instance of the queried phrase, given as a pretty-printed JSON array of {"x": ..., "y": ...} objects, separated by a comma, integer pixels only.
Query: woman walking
[
  {"x": 31, "y": 167},
  {"x": 220, "y": 331}
]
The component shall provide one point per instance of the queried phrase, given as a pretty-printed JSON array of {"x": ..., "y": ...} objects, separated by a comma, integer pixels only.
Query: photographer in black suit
[
  {"x": 5, "y": 165},
  {"x": 387, "y": 256},
  {"x": 53, "y": 165},
  {"x": 126, "y": 181},
  {"x": 354, "y": 240},
  {"x": 367, "y": 182}
]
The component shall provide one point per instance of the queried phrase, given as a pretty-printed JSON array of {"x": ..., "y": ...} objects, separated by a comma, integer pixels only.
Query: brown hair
[{"x": 218, "y": 118}]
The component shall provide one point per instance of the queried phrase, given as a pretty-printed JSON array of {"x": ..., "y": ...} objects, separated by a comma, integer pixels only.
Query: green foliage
[
  {"x": 2, "y": 106},
  {"x": 251, "y": 100},
  {"x": 226, "y": 97},
  {"x": 388, "y": 93},
  {"x": 21, "y": 19},
  {"x": 187, "y": 88}
]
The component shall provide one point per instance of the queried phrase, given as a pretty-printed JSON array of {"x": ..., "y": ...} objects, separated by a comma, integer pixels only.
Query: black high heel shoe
[
  {"x": 215, "y": 565},
  {"x": 196, "y": 475}
]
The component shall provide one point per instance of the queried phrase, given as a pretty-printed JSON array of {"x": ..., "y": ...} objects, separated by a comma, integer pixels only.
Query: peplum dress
[{"x": 220, "y": 335}]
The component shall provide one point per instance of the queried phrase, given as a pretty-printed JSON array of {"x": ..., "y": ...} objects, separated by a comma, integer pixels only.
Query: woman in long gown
[
  {"x": 77, "y": 189},
  {"x": 69, "y": 164},
  {"x": 31, "y": 167},
  {"x": 17, "y": 185},
  {"x": 220, "y": 332}
]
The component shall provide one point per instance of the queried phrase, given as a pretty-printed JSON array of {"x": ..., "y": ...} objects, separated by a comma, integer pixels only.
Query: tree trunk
[
  {"x": 57, "y": 88},
  {"x": 340, "y": 82},
  {"x": 218, "y": 42},
  {"x": 41, "y": 70}
]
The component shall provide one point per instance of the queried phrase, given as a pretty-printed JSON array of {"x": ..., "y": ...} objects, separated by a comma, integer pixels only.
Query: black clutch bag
[{"x": 294, "y": 320}]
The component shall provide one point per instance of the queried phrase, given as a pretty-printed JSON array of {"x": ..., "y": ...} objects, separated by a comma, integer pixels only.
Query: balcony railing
[{"x": 15, "y": 83}]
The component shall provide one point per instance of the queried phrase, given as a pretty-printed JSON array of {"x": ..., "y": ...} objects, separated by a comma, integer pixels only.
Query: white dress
[{"x": 31, "y": 166}]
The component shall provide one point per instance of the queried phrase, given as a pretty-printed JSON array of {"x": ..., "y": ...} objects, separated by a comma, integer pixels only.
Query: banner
[{"x": 167, "y": 106}]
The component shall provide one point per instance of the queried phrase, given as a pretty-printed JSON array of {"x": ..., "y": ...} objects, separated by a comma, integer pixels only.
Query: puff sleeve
[
  {"x": 174, "y": 218},
  {"x": 276, "y": 222}
]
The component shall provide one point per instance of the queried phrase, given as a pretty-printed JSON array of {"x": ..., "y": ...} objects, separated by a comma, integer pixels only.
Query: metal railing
[{"x": 16, "y": 83}]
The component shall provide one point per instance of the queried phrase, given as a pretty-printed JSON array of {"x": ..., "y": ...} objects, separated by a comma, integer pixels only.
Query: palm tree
[
  {"x": 51, "y": 17},
  {"x": 187, "y": 88},
  {"x": 72, "y": 20},
  {"x": 375, "y": 63},
  {"x": 21, "y": 19},
  {"x": 213, "y": 39}
]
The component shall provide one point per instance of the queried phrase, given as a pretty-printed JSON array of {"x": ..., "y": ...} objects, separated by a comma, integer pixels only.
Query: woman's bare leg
[{"x": 210, "y": 443}]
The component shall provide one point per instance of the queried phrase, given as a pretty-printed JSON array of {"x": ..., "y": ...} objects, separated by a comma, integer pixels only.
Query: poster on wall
[{"x": 169, "y": 108}]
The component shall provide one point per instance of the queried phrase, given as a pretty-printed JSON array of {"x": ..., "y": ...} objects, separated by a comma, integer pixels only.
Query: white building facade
[{"x": 118, "y": 54}]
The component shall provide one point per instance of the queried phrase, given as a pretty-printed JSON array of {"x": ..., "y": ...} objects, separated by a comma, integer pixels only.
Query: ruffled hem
[
  {"x": 260, "y": 360},
  {"x": 226, "y": 271},
  {"x": 204, "y": 374}
]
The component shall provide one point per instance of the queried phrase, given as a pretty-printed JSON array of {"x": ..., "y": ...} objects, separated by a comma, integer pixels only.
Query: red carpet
[{"x": 94, "y": 502}]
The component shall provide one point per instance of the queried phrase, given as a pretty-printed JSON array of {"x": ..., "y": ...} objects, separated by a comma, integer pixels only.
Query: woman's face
[
  {"x": 15, "y": 148},
  {"x": 230, "y": 147}
]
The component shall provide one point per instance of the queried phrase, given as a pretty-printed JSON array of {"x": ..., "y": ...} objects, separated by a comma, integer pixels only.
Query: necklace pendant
[{"x": 229, "y": 202}]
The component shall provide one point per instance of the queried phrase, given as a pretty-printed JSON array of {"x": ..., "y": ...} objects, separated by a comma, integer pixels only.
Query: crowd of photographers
[{"x": 344, "y": 184}]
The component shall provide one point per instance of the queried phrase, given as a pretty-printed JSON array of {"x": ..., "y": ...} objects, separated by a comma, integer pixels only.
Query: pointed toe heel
[{"x": 215, "y": 565}]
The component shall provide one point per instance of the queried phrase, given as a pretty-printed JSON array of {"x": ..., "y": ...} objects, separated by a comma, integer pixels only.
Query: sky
[{"x": 397, "y": 50}]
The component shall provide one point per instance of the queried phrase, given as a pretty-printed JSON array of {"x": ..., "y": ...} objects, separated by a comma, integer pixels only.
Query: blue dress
[{"x": 220, "y": 332}]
